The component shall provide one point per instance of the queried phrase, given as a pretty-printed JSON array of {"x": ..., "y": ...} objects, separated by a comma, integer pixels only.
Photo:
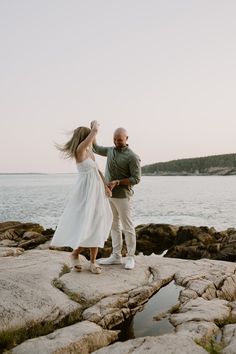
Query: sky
[{"x": 163, "y": 69}]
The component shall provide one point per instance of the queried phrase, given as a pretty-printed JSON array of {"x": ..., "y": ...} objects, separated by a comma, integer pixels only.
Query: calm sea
[{"x": 185, "y": 200}]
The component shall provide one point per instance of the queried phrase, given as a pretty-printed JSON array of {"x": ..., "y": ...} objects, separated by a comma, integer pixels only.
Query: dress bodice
[{"x": 86, "y": 165}]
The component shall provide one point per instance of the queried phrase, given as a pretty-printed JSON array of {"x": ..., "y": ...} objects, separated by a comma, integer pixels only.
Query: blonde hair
[{"x": 69, "y": 149}]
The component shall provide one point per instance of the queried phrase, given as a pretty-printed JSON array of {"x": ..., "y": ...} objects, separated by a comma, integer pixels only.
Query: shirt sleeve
[
  {"x": 100, "y": 150},
  {"x": 135, "y": 170}
]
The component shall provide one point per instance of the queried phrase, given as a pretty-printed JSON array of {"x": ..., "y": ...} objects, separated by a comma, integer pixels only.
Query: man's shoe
[
  {"x": 113, "y": 259},
  {"x": 130, "y": 263}
]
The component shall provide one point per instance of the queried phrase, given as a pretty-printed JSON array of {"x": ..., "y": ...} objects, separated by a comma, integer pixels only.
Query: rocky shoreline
[
  {"x": 46, "y": 307},
  {"x": 213, "y": 171},
  {"x": 185, "y": 242}
]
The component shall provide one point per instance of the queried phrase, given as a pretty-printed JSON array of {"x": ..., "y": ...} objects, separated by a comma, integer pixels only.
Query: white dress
[{"x": 87, "y": 218}]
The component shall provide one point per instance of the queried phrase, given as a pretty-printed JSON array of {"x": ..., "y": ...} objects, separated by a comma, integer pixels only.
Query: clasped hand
[
  {"x": 108, "y": 192},
  {"x": 111, "y": 185},
  {"x": 94, "y": 124}
]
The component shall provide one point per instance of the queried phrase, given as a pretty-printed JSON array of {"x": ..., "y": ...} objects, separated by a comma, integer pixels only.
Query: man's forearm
[
  {"x": 118, "y": 182},
  {"x": 100, "y": 150},
  {"x": 124, "y": 181}
]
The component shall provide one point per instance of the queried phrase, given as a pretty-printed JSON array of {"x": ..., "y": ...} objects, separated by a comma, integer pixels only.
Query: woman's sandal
[
  {"x": 95, "y": 268},
  {"x": 75, "y": 263}
]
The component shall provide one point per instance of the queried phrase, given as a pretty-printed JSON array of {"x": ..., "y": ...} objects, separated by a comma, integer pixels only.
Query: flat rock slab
[
  {"x": 83, "y": 337},
  {"x": 28, "y": 296},
  {"x": 165, "y": 344},
  {"x": 197, "y": 276},
  {"x": 201, "y": 331},
  {"x": 34, "y": 290},
  {"x": 200, "y": 309},
  {"x": 114, "y": 279}
]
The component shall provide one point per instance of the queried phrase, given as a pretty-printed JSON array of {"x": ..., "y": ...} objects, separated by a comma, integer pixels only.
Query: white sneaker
[
  {"x": 113, "y": 259},
  {"x": 130, "y": 263}
]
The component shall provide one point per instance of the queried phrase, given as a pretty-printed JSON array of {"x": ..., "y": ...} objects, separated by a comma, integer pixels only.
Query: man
[{"x": 122, "y": 172}]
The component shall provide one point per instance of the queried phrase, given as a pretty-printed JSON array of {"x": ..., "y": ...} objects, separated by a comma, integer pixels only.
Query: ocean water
[{"x": 179, "y": 200}]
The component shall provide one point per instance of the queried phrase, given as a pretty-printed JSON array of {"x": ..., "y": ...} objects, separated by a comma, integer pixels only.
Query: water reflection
[{"x": 144, "y": 324}]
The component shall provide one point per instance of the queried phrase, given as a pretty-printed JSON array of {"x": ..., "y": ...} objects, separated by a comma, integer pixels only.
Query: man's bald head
[
  {"x": 120, "y": 137},
  {"x": 120, "y": 131}
]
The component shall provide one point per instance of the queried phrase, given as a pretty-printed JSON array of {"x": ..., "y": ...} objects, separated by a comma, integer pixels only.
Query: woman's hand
[
  {"x": 108, "y": 192},
  {"x": 94, "y": 125}
]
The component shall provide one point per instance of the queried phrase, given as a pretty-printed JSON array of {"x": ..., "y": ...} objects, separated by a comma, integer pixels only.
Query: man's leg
[
  {"x": 116, "y": 236},
  {"x": 125, "y": 213},
  {"x": 116, "y": 233},
  {"x": 124, "y": 209}
]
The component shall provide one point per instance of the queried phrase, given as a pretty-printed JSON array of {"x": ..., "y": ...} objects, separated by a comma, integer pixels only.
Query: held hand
[
  {"x": 113, "y": 184},
  {"x": 94, "y": 125},
  {"x": 108, "y": 192}
]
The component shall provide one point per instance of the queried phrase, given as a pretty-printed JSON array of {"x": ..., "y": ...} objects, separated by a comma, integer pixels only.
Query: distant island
[
  {"x": 22, "y": 173},
  {"x": 221, "y": 165}
]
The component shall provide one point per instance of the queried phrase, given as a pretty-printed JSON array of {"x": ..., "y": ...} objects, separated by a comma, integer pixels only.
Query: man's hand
[{"x": 113, "y": 184}]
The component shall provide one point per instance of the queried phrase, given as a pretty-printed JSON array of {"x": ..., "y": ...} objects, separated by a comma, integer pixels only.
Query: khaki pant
[{"x": 121, "y": 209}]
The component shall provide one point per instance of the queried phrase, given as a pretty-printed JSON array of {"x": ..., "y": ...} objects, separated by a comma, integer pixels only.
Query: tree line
[{"x": 192, "y": 165}]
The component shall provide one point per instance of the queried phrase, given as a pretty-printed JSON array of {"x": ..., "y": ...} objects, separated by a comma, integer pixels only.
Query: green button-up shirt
[{"x": 121, "y": 163}]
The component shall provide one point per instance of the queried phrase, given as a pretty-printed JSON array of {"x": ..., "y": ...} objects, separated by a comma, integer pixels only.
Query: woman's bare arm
[
  {"x": 81, "y": 149},
  {"x": 107, "y": 189}
]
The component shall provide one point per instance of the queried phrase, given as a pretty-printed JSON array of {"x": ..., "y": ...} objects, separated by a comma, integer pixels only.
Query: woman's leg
[
  {"x": 94, "y": 267},
  {"x": 75, "y": 258},
  {"x": 76, "y": 252},
  {"x": 93, "y": 254}
]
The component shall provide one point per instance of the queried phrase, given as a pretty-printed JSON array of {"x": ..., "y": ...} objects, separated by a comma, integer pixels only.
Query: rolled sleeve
[{"x": 135, "y": 170}]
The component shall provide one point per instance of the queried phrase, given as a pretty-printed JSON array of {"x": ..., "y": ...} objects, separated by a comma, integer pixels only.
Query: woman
[{"x": 86, "y": 220}]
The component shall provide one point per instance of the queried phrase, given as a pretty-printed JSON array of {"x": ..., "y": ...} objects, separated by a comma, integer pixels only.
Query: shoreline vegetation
[{"x": 214, "y": 165}]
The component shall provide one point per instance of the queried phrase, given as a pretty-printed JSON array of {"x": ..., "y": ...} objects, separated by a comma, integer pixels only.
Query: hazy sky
[{"x": 163, "y": 69}]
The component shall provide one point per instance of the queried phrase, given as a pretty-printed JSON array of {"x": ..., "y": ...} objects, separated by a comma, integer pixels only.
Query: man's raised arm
[{"x": 100, "y": 150}]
